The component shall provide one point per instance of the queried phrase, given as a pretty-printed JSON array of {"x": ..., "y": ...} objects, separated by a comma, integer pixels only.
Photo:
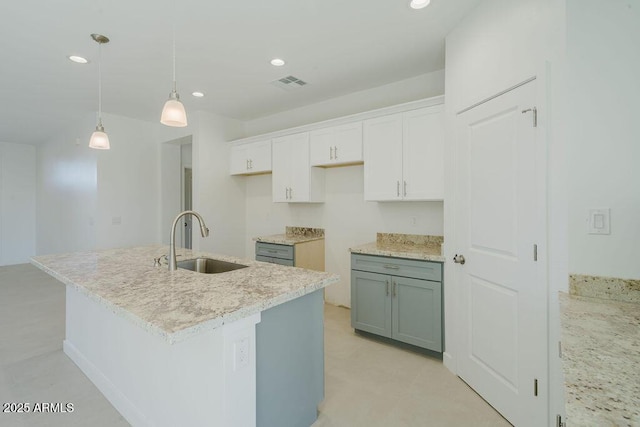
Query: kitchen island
[{"x": 186, "y": 348}]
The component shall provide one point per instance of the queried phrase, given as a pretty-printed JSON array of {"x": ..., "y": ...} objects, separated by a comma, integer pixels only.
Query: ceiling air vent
[{"x": 289, "y": 83}]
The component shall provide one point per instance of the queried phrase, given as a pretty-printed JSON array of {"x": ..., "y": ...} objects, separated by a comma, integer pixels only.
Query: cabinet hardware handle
[
  {"x": 335, "y": 153},
  {"x": 286, "y": 193},
  {"x": 250, "y": 164},
  {"x": 290, "y": 193},
  {"x": 398, "y": 188},
  {"x": 330, "y": 153},
  {"x": 387, "y": 282},
  {"x": 247, "y": 164},
  {"x": 395, "y": 287},
  {"x": 405, "y": 188},
  {"x": 271, "y": 251},
  {"x": 391, "y": 267}
]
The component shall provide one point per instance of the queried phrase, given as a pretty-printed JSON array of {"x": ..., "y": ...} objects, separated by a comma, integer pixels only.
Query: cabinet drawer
[
  {"x": 274, "y": 251},
  {"x": 415, "y": 269},
  {"x": 280, "y": 261}
]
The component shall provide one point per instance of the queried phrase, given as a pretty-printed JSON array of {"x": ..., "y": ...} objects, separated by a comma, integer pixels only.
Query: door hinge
[
  {"x": 559, "y": 422},
  {"x": 560, "y": 349},
  {"x": 534, "y": 110},
  {"x": 535, "y": 252},
  {"x": 535, "y": 387}
]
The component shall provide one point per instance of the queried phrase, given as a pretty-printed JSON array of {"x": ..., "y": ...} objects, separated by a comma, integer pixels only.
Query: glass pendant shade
[
  {"x": 173, "y": 113},
  {"x": 99, "y": 139}
]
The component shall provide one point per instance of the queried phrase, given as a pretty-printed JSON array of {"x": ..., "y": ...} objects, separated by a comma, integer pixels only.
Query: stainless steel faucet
[{"x": 204, "y": 231}]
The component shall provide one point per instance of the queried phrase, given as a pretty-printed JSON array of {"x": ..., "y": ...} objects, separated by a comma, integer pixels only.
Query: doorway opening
[{"x": 176, "y": 191}]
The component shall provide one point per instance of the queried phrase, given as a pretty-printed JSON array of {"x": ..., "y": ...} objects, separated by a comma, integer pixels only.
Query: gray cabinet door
[
  {"x": 417, "y": 315},
  {"x": 371, "y": 302}
]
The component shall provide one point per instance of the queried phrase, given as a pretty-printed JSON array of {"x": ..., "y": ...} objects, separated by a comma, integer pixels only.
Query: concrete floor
[{"x": 367, "y": 383}]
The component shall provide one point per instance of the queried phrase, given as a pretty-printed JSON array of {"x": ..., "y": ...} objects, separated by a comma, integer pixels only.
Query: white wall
[
  {"x": 603, "y": 57},
  {"x": 128, "y": 185},
  {"x": 217, "y": 196},
  {"x": 499, "y": 44},
  {"x": 67, "y": 190},
  {"x": 412, "y": 89},
  {"x": 347, "y": 219},
  {"x": 91, "y": 199},
  {"x": 17, "y": 203}
]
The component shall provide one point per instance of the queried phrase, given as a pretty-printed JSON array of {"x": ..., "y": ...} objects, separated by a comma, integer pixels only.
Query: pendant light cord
[
  {"x": 100, "y": 83},
  {"x": 174, "y": 52}
]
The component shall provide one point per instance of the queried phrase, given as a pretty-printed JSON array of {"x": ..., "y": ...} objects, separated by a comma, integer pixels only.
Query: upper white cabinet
[
  {"x": 294, "y": 180},
  {"x": 249, "y": 159},
  {"x": 404, "y": 156},
  {"x": 336, "y": 145}
]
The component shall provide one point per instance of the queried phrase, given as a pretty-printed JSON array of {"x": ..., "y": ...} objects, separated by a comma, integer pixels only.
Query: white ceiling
[{"x": 223, "y": 49}]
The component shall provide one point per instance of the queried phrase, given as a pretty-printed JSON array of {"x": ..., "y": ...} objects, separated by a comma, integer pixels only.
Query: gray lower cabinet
[
  {"x": 406, "y": 309},
  {"x": 275, "y": 254}
]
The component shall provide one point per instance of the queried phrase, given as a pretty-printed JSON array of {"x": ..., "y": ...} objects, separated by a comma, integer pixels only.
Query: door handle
[
  {"x": 335, "y": 153},
  {"x": 330, "y": 153},
  {"x": 395, "y": 287},
  {"x": 387, "y": 283},
  {"x": 459, "y": 259},
  {"x": 247, "y": 164}
]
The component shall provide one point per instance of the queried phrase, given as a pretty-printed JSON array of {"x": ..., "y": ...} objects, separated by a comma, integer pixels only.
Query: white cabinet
[
  {"x": 294, "y": 180},
  {"x": 252, "y": 158},
  {"x": 404, "y": 156},
  {"x": 336, "y": 145}
]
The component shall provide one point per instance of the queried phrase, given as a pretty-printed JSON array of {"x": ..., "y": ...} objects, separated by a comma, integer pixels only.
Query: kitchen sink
[{"x": 209, "y": 265}]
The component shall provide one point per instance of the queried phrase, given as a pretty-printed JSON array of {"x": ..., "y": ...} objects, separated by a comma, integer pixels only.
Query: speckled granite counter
[
  {"x": 601, "y": 359},
  {"x": 409, "y": 246},
  {"x": 178, "y": 304},
  {"x": 293, "y": 235}
]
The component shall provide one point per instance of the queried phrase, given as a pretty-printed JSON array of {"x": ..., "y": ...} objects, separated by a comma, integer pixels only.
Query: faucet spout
[{"x": 204, "y": 231}]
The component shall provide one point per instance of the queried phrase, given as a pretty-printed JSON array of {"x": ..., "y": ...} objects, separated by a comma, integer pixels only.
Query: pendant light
[
  {"x": 99, "y": 139},
  {"x": 173, "y": 113}
]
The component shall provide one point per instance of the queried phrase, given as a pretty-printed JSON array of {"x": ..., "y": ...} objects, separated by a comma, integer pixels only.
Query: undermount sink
[{"x": 209, "y": 265}]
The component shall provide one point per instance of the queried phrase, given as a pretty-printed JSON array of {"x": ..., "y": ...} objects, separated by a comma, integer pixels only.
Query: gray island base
[{"x": 254, "y": 358}]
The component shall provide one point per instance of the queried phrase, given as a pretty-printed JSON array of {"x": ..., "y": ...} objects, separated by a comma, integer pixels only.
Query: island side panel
[
  {"x": 152, "y": 382},
  {"x": 290, "y": 362}
]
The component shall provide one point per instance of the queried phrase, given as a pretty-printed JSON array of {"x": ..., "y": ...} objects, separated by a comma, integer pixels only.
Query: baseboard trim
[
  {"x": 449, "y": 362},
  {"x": 106, "y": 387}
]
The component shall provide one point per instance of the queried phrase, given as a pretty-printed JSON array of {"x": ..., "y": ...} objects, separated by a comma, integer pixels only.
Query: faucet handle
[{"x": 157, "y": 262}]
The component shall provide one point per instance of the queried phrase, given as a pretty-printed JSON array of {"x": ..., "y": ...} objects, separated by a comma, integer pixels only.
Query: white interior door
[{"x": 504, "y": 311}]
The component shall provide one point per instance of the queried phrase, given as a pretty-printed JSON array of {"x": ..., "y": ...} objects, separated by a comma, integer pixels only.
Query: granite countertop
[
  {"x": 293, "y": 235},
  {"x": 601, "y": 353},
  {"x": 411, "y": 246},
  {"x": 175, "y": 305}
]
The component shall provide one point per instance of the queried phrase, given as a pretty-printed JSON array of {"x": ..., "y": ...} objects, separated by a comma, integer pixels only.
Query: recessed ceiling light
[
  {"x": 419, "y": 4},
  {"x": 197, "y": 94},
  {"x": 78, "y": 59},
  {"x": 277, "y": 62}
]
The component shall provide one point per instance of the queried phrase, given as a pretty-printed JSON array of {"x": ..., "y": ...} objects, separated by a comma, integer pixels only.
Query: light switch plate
[{"x": 599, "y": 221}]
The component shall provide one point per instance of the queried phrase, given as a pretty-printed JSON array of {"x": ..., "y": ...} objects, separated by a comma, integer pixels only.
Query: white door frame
[{"x": 454, "y": 329}]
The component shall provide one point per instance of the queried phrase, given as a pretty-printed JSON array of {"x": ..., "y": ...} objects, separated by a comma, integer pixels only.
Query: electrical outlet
[{"x": 241, "y": 353}]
